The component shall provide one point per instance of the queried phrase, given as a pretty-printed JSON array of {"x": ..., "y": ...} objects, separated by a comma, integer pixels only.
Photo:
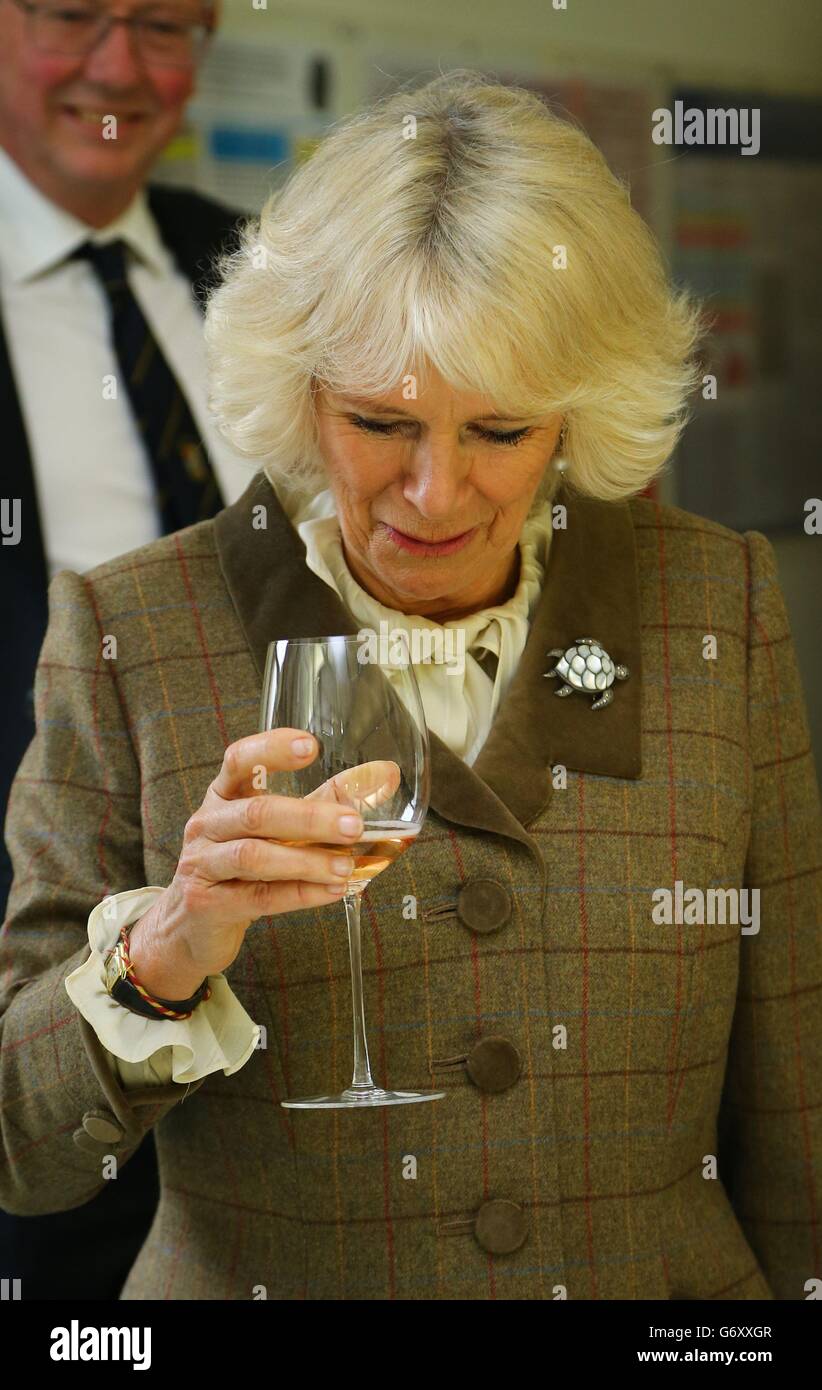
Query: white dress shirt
[
  {"x": 94, "y": 483},
  {"x": 459, "y": 708}
]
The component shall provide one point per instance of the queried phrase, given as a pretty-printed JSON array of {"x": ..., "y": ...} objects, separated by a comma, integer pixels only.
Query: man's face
[{"x": 52, "y": 106}]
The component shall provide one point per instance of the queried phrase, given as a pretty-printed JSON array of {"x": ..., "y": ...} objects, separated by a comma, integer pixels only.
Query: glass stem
[{"x": 361, "y": 1079}]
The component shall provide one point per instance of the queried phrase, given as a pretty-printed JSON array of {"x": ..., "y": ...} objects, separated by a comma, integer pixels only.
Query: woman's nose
[{"x": 436, "y": 479}]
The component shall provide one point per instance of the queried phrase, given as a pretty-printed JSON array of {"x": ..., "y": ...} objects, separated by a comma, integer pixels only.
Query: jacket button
[
  {"x": 500, "y": 1227},
  {"x": 493, "y": 1064},
  {"x": 102, "y": 1126},
  {"x": 483, "y": 905},
  {"x": 88, "y": 1145}
]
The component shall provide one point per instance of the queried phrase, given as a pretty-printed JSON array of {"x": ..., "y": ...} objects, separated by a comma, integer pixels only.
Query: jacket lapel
[
  {"x": 590, "y": 590},
  {"x": 196, "y": 230}
]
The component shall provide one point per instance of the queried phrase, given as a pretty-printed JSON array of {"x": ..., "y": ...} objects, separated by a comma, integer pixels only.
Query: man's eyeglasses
[{"x": 166, "y": 34}]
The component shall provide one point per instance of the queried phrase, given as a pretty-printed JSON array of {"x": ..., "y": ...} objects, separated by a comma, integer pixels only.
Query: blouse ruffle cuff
[{"x": 219, "y": 1035}]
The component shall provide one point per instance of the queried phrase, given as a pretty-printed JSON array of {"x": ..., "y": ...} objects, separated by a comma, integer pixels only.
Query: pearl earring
[{"x": 561, "y": 463}]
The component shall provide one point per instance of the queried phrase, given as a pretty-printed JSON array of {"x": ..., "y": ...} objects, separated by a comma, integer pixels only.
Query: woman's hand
[{"x": 229, "y": 872}]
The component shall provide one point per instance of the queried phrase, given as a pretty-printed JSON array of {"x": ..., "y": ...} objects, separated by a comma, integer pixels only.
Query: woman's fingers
[
  {"x": 275, "y": 750},
  {"x": 386, "y": 787},
  {"x": 255, "y": 853},
  {"x": 275, "y": 817},
  {"x": 368, "y": 785},
  {"x": 270, "y": 899},
  {"x": 266, "y": 861}
]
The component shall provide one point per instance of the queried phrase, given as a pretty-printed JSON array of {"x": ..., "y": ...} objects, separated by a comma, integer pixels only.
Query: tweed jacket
[{"x": 633, "y": 1108}]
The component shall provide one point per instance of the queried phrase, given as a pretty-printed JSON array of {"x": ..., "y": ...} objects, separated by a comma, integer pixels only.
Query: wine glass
[{"x": 370, "y": 727}]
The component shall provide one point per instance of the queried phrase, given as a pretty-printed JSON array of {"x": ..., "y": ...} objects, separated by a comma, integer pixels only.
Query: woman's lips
[{"x": 415, "y": 547}]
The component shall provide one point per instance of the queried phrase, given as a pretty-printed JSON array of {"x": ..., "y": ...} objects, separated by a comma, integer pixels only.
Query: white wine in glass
[
  {"x": 373, "y": 758},
  {"x": 381, "y": 843}
]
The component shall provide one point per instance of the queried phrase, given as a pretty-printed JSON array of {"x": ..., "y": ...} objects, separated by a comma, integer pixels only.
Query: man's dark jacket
[{"x": 43, "y": 1251}]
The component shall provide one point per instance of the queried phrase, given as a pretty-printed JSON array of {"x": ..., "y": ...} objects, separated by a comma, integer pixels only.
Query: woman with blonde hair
[{"x": 451, "y": 349}]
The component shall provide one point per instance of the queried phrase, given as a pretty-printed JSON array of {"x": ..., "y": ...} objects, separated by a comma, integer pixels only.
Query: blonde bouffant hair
[{"x": 430, "y": 227}]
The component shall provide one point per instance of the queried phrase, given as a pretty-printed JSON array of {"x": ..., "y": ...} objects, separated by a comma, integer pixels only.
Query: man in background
[{"x": 107, "y": 442}]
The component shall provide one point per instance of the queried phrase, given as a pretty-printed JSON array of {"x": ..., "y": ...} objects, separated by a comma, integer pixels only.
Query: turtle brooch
[{"x": 587, "y": 668}]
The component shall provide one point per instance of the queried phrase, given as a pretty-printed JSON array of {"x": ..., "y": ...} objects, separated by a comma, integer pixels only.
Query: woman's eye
[
  {"x": 377, "y": 426},
  {"x": 512, "y": 437},
  {"x": 383, "y": 427}
]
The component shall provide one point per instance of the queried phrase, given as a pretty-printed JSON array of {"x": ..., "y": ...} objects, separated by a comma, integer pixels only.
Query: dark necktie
[{"x": 187, "y": 490}]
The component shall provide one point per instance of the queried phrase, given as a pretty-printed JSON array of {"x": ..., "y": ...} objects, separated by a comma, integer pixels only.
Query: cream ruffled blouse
[{"x": 460, "y": 699}]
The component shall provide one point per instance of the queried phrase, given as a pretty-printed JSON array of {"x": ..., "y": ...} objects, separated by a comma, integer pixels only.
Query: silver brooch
[{"x": 587, "y": 668}]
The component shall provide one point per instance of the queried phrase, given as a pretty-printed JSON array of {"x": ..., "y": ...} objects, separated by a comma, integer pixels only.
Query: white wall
[{"x": 772, "y": 45}]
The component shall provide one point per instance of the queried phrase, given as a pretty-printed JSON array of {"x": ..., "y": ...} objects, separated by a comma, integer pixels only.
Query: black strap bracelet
[
  {"x": 124, "y": 986},
  {"x": 125, "y": 994}
]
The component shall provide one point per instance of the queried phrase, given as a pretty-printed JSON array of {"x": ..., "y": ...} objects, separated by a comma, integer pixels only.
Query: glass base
[{"x": 360, "y": 1096}]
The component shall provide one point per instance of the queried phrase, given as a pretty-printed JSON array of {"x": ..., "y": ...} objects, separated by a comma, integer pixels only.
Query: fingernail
[
  {"x": 335, "y": 887},
  {"x": 350, "y": 825},
  {"x": 342, "y": 866},
  {"x": 302, "y": 746}
]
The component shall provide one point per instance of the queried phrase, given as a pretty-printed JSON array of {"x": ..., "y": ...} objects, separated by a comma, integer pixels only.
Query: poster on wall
[
  {"x": 259, "y": 110},
  {"x": 745, "y": 239}
]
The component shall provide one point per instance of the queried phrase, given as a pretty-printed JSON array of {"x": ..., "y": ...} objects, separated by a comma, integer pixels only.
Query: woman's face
[{"x": 430, "y": 470}]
